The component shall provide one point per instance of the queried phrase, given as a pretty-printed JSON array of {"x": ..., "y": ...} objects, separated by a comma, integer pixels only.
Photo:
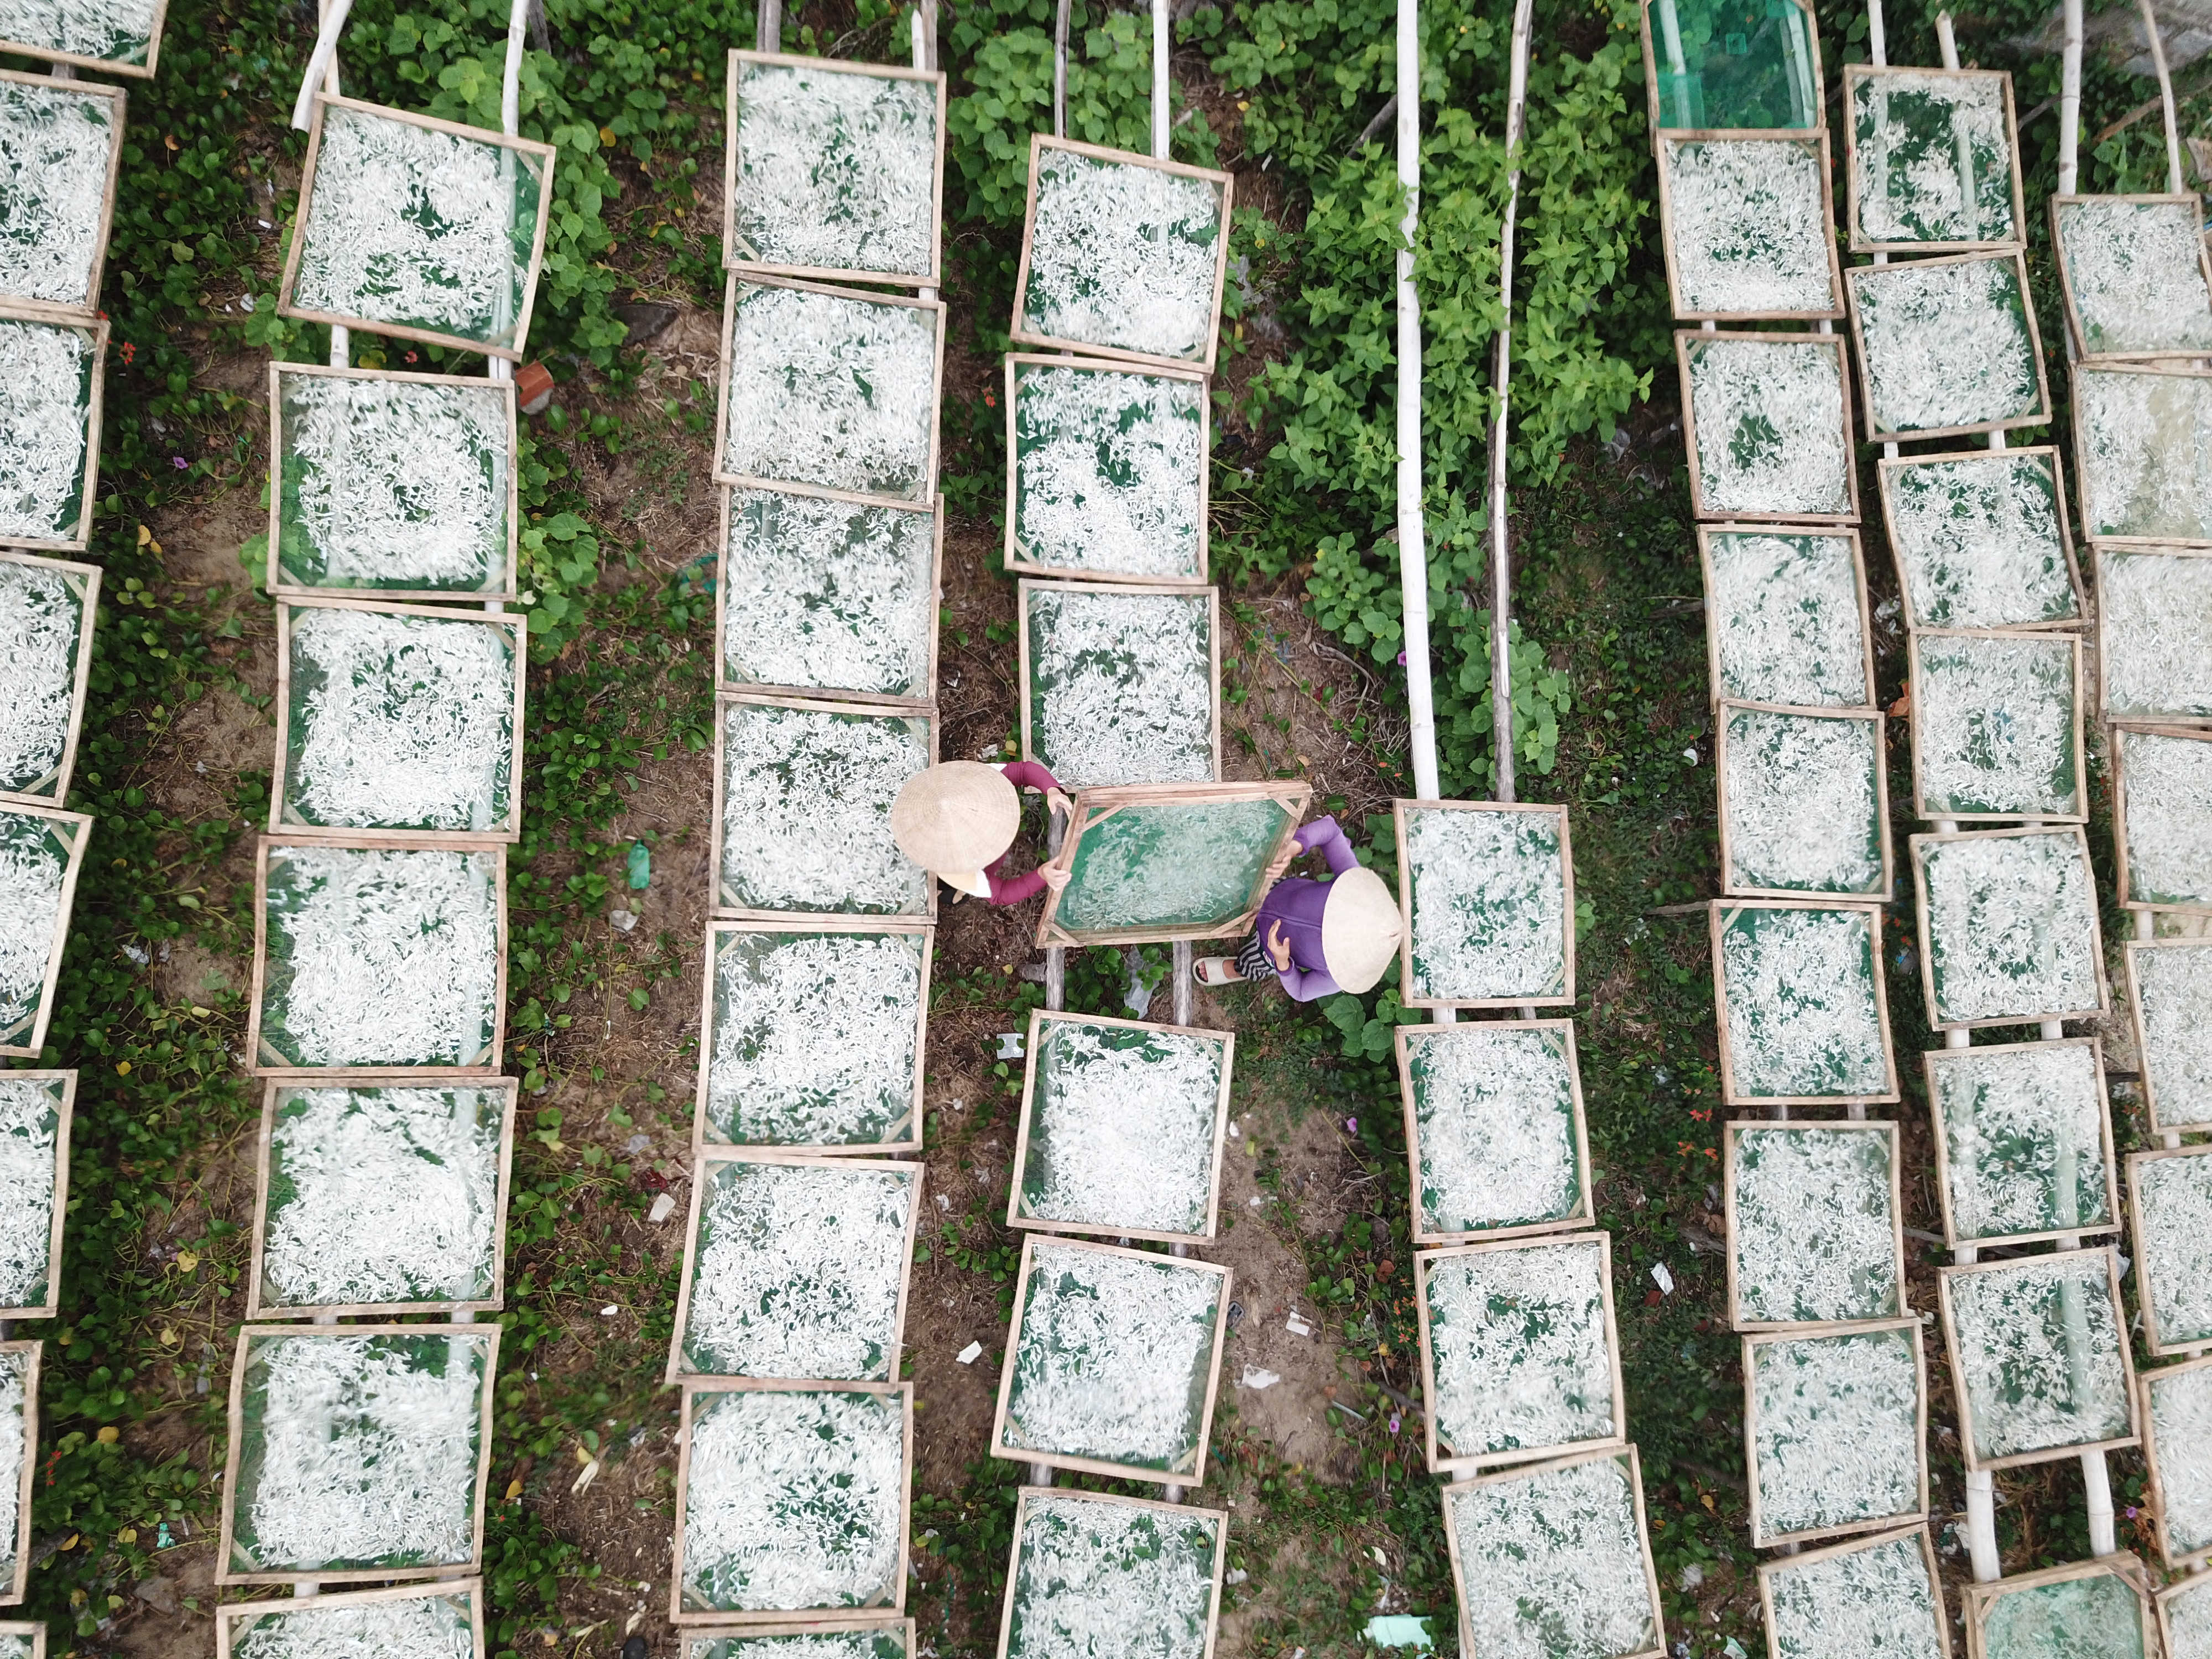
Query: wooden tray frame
[
  {"x": 1219, "y": 1517},
  {"x": 2119, "y": 731},
  {"x": 921, "y": 704},
  {"x": 119, "y": 100},
  {"x": 1039, "y": 142},
  {"x": 516, "y": 625},
  {"x": 488, "y": 1067},
  {"x": 1886, "y": 881},
  {"x": 1888, "y": 469},
  {"x": 1918, "y": 848},
  {"x": 65, "y": 1109},
  {"x": 716, "y": 927},
  {"x": 2099, "y": 553},
  {"x": 1707, "y": 530},
  {"x": 1028, "y": 585},
  {"x": 229, "y": 1615},
  {"x": 1718, "y": 912},
  {"x": 85, "y": 579},
  {"x": 1732, "y": 1132},
  {"x": 1651, "y": 74},
  {"x": 280, "y": 589},
  {"x": 257, "y": 1310},
  {"x": 1017, "y": 560},
  {"x": 35, "y": 1633},
  {"x": 1753, "y": 1340},
  {"x": 902, "y": 1628},
  {"x": 14, "y": 1589},
  {"x": 74, "y": 829},
  {"x": 2087, "y": 505},
  {"x": 1920, "y": 807},
  {"x": 2160, "y": 1601},
  {"x": 1565, "y": 997},
  {"x": 1523, "y": 1471},
  {"x": 718, "y": 470},
  {"x": 1093, "y": 806},
  {"x": 677, "y": 1372},
  {"x": 522, "y": 147},
  {"x": 1976, "y": 1600},
  {"x": 2018, "y": 259},
  {"x": 227, "y": 1539},
  {"x": 1816, "y": 138},
  {"x": 718, "y": 911},
  {"x": 1424, "y": 1262},
  {"x": 1699, "y": 508},
  {"x": 145, "y": 71},
  {"x": 1934, "y": 1060},
  {"x": 97, "y": 329},
  {"x": 1586, "y": 1213},
  {"x": 1193, "y": 1476},
  {"x": 1965, "y": 1404},
  {"x": 779, "y": 1620},
  {"x": 2184, "y": 1560},
  {"x": 1768, "y": 1571},
  {"x": 730, "y": 258},
  {"x": 2193, "y": 204},
  {"x": 1854, "y": 180},
  {"x": 2160, "y": 1347},
  {"x": 2130, "y": 950},
  {"x": 1039, "y": 1018}
]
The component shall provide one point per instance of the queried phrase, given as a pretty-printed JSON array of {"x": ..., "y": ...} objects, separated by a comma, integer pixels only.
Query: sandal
[{"x": 1215, "y": 971}]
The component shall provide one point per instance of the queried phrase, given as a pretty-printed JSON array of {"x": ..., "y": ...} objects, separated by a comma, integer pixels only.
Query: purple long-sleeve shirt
[
  {"x": 1012, "y": 889},
  {"x": 1296, "y": 904}
]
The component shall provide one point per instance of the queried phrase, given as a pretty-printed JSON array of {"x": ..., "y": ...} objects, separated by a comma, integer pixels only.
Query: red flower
[{"x": 129, "y": 350}]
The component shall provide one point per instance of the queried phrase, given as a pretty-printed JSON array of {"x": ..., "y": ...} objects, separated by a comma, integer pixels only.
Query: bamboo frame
[
  {"x": 696, "y": 1636},
  {"x": 1935, "y": 1059},
  {"x": 1815, "y": 138},
  {"x": 2119, "y": 731},
  {"x": 1017, "y": 560},
  {"x": 19, "y": 1585},
  {"x": 1859, "y": 276},
  {"x": 2017, "y": 1460},
  {"x": 1720, "y": 913},
  {"x": 1566, "y": 996},
  {"x": 118, "y": 100},
  {"x": 1753, "y": 1340},
  {"x": 719, "y": 471},
  {"x": 716, "y": 931},
  {"x": 1706, "y": 534},
  {"x": 924, "y": 700},
  {"x": 1402, "y": 1040},
  {"x": 1699, "y": 508},
  {"x": 1886, "y": 472},
  {"x": 1921, "y": 806},
  {"x": 1094, "y": 806},
  {"x": 2130, "y": 951},
  {"x": 1918, "y": 847},
  {"x": 724, "y": 700},
  {"x": 1441, "y": 1460},
  {"x": 2190, "y": 204},
  {"x": 1855, "y": 182},
  {"x": 487, "y": 1066},
  {"x": 522, "y": 147},
  {"x": 84, "y": 580},
  {"x": 2087, "y": 505},
  {"x": 1181, "y": 1511},
  {"x": 1194, "y": 1474},
  {"x": 145, "y": 71},
  {"x": 1975, "y": 1600},
  {"x": 1025, "y": 1122},
  {"x": 33, "y": 1632},
  {"x": 1881, "y": 887},
  {"x": 1226, "y": 183},
  {"x": 1769, "y": 1571},
  {"x": 2178, "y": 721},
  {"x": 12, "y": 310},
  {"x": 1625, "y": 1453},
  {"x": 2160, "y": 1601},
  {"x": 1731, "y": 1132},
  {"x": 678, "y": 1370},
  {"x": 731, "y": 260},
  {"x": 271, "y": 1097},
  {"x": 2162, "y": 1346},
  {"x": 1025, "y": 692},
  {"x": 2175, "y": 1560},
  {"x": 280, "y": 588},
  {"x": 65, "y": 1110},
  {"x": 230, "y": 1616},
  {"x": 234, "y": 1464},
  {"x": 773, "y": 1619},
  {"x": 1651, "y": 109},
  {"x": 283, "y": 818},
  {"x": 73, "y": 830}
]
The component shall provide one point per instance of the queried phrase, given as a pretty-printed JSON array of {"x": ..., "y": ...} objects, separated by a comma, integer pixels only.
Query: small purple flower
[
  {"x": 1394, "y": 1422},
  {"x": 2133, "y": 1512},
  {"x": 1401, "y": 660},
  {"x": 179, "y": 462},
  {"x": 1352, "y": 1125}
]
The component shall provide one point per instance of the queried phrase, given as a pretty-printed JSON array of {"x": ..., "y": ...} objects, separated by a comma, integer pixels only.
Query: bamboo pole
[
  {"x": 768, "y": 26},
  {"x": 1413, "y": 534},
  {"x": 2174, "y": 182},
  {"x": 2070, "y": 99},
  {"x": 1501, "y": 561},
  {"x": 1163, "y": 113},
  {"x": 1059, "y": 72}
]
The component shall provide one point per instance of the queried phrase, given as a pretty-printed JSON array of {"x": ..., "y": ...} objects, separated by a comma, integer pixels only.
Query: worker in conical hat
[
  {"x": 1317, "y": 936},
  {"x": 957, "y": 821}
]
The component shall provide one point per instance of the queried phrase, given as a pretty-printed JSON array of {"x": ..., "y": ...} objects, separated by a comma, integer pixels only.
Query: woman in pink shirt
[{"x": 957, "y": 821}]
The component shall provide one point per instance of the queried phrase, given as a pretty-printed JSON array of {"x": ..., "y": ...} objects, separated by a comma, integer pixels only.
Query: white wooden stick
[
  {"x": 2164, "y": 97},
  {"x": 1501, "y": 552},
  {"x": 322, "y": 64},
  {"x": 1163, "y": 115},
  {"x": 2069, "y": 98},
  {"x": 1413, "y": 530},
  {"x": 1059, "y": 72}
]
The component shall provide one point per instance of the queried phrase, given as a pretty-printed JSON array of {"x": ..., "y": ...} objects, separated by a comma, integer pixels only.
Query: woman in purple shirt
[
  {"x": 957, "y": 821},
  {"x": 1317, "y": 936}
]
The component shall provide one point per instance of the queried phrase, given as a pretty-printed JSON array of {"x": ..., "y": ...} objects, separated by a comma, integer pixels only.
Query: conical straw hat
[
  {"x": 1358, "y": 928},
  {"x": 958, "y": 815}
]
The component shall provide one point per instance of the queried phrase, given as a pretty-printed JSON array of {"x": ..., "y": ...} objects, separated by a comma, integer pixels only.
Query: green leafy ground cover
[{"x": 1609, "y": 689}]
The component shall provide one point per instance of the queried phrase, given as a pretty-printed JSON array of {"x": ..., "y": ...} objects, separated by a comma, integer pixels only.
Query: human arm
[
  {"x": 1014, "y": 890},
  {"x": 1323, "y": 835},
  {"x": 1307, "y": 984}
]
